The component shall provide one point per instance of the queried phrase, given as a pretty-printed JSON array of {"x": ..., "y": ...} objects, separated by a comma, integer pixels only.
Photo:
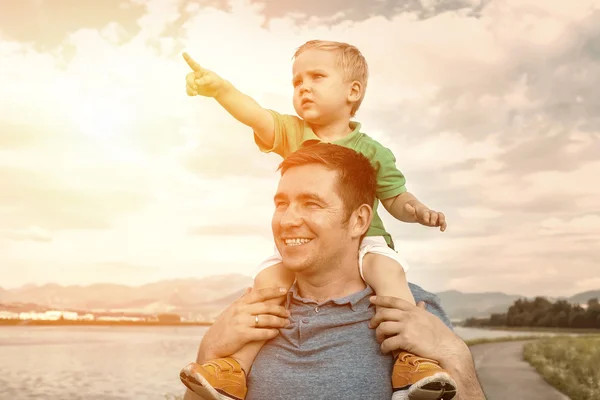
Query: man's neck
[
  {"x": 333, "y": 284},
  {"x": 332, "y": 131}
]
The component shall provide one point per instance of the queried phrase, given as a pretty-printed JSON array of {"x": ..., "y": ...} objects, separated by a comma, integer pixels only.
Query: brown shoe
[
  {"x": 220, "y": 379},
  {"x": 418, "y": 378}
]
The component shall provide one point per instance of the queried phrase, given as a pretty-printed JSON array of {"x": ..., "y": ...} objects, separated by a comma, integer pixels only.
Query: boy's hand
[
  {"x": 424, "y": 215},
  {"x": 202, "y": 81}
]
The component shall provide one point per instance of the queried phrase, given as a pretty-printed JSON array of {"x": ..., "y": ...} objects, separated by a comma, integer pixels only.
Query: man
[{"x": 328, "y": 349}]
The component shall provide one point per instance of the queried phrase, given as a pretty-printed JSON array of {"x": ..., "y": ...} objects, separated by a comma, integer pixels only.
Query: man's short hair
[
  {"x": 357, "y": 178},
  {"x": 350, "y": 61}
]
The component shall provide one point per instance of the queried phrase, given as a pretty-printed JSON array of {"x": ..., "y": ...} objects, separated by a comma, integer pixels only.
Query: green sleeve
[
  {"x": 390, "y": 181},
  {"x": 288, "y": 129}
]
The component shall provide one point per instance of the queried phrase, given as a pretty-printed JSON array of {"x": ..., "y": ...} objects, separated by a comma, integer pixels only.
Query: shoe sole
[
  {"x": 438, "y": 387},
  {"x": 199, "y": 385}
]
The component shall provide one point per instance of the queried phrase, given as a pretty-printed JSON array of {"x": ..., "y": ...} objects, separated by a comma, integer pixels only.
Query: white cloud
[{"x": 113, "y": 117}]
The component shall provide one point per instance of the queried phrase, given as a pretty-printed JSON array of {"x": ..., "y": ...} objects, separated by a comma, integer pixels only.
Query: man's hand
[
  {"x": 425, "y": 216},
  {"x": 202, "y": 81},
  {"x": 236, "y": 326},
  {"x": 402, "y": 326}
]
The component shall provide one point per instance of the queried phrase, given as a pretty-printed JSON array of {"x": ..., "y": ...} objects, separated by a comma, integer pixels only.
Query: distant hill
[
  {"x": 582, "y": 298},
  {"x": 207, "y": 297},
  {"x": 179, "y": 295},
  {"x": 460, "y": 305}
]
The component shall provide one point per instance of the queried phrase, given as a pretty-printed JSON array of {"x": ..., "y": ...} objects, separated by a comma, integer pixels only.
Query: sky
[{"x": 109, "y": 172}]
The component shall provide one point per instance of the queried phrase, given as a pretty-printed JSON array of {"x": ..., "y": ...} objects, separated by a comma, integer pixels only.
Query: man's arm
[
  {"x": 402, "y": 325},
  {"x": 242, "y": 107},
  {"x": 235, "y": 327},
  {"x": 465, "y": 376}
]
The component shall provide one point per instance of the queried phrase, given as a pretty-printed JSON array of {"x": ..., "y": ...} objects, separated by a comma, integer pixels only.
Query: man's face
[
  {"x": 320, "y": 90},
  {"x": 309, "y": 225}
]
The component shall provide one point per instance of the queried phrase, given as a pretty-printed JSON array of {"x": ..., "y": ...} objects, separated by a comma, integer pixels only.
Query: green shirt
[{"x": 292, "y": 132}]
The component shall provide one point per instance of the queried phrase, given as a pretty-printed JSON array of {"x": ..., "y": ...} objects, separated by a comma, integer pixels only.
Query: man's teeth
[{"x": 296, "y": 242}]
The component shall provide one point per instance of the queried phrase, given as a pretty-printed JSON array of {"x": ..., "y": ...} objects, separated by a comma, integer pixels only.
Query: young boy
[{"x": 329, "y": 81}]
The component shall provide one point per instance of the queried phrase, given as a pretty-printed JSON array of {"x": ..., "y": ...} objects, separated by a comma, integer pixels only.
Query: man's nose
[{"x": 291, "y": 217}]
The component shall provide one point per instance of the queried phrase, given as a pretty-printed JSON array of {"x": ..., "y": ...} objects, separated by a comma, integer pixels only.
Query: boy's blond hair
[{"x": 349, "y": 59}]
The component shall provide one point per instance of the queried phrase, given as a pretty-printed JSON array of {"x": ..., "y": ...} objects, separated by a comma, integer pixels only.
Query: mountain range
[{"x": 205, "y": 298}]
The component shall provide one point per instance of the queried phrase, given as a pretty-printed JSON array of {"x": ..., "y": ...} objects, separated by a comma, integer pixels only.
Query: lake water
[{"x": 108, "y": 362}]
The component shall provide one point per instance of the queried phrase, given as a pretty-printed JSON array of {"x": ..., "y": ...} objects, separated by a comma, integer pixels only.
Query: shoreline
[{"x": 38, "y": 322}]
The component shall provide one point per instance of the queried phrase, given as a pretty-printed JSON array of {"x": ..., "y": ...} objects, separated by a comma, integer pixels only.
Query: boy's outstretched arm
[
  {"x": 203, "y": 82},
  {"x": 406, "y": 207}
]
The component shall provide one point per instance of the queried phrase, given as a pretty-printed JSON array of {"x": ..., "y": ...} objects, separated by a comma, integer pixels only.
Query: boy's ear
[{"x": 356, "y": 89}]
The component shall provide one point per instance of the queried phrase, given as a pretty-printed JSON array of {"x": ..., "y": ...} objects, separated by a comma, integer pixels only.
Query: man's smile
[{"x": 296, "y": 241}]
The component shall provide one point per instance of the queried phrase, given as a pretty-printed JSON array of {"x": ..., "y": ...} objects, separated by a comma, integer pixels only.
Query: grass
[
  {"x": 570, "y": 364},
  {"x": 473, "y": 342},
  {"x": 542, "y": 329}
]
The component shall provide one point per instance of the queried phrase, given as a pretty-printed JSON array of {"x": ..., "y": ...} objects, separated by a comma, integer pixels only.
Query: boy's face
[{"x": 321, "y": 94}]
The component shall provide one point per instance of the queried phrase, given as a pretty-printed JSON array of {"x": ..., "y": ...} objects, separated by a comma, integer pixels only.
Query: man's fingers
[
  {"x": 260, "y": 295},
  {"x": 385, "y": 314},
  {"x": 267, "y": 321},
  {"x": 422, "y": 305},
  {"x": 267, "y": 308},
  {"x": 190, "y": 61},
  {"x": 387, "y": 329},
  {"x": 391, "y": 302},
  {"x": 391, "y": 344},
  {"x": 262, "y": 334}
]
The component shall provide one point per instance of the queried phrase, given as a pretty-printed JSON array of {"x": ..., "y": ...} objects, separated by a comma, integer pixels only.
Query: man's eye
[
  {"x": 312, "y": 204},
  {"x": 280, "y": 204}
]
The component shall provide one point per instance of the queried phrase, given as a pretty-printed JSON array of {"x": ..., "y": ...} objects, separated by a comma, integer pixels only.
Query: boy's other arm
[
  {"x": 242, "y": 107},
  {"x": 406, "y": 207}
]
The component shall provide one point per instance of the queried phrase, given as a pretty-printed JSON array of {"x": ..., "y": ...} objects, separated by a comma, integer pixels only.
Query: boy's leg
[
  {"x": 413, "y": 377},
  {"x": 274, "y": 276},
  {"x": 225, "y": 378}
]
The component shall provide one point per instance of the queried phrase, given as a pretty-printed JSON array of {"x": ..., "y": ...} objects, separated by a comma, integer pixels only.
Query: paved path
[{"x": 504, "y": 374}]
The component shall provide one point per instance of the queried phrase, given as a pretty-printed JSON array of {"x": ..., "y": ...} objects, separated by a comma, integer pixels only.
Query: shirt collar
[
  {"x": 309, "y": 137},
  {"x": 354, "y": 300}
]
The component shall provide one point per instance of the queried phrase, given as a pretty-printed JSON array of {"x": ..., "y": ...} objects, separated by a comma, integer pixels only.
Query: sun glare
[{"x": 103, "y": 118}]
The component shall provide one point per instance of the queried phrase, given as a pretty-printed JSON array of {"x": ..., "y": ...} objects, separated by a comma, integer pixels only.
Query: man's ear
[
  {"x": 356, "y": 89},
  {"x": 361, "y": 220}
]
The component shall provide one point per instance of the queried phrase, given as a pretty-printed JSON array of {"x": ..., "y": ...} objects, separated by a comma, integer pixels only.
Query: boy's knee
[
  {"x": 273, "y": 276},
  {"x": 382, "y": 265}
]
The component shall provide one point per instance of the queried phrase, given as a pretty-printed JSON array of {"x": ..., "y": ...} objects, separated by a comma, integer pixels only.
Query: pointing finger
[{"x": 190, "y": 61}]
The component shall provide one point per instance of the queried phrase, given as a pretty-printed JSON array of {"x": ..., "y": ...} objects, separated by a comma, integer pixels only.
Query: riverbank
[
  {"x": 570, "y": 364},
  {"x": 65, "y": 322},
  {"x": 538, "y": 329}
]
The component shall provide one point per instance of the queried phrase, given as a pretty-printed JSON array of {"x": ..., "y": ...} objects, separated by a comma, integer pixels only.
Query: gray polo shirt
[{"x": 328, "y": 351}]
